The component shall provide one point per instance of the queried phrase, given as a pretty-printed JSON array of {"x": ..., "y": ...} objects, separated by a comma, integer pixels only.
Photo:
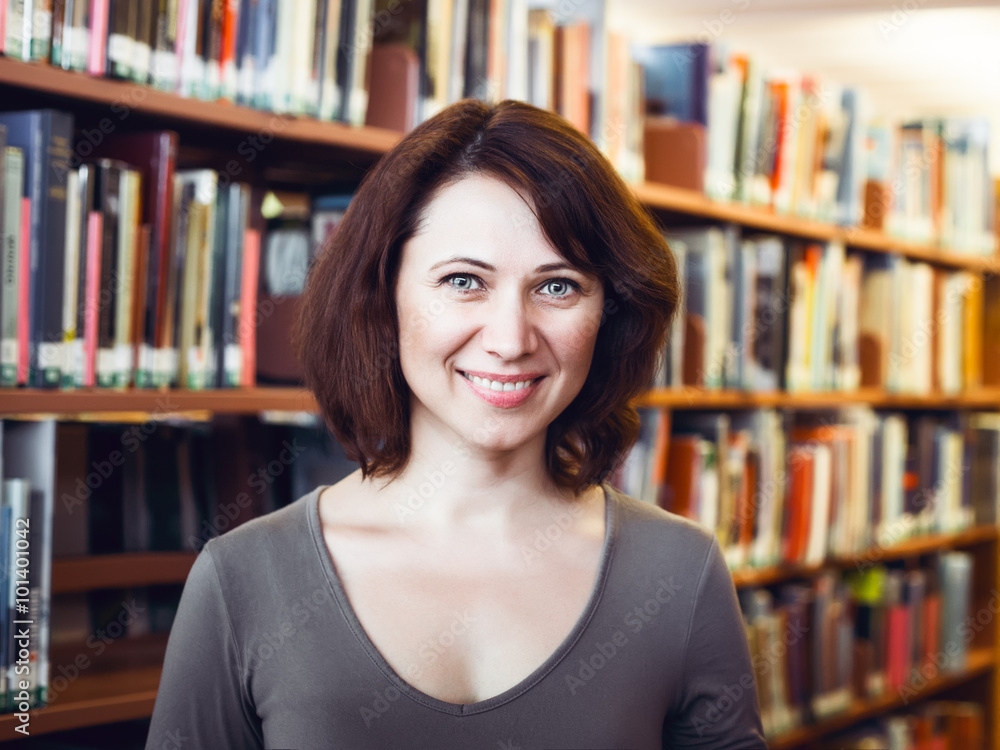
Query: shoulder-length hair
[{"x": 348, "y": 334}]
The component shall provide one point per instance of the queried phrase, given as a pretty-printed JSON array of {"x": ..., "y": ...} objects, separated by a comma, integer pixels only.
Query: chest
[{"x": 460, "y": 626}]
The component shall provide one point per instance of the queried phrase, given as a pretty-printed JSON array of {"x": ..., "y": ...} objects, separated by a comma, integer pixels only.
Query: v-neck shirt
[{"x": 267, "y": 652}]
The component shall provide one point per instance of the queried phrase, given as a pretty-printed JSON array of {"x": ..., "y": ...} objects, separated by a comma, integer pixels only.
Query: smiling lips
[{"x": 505, "y": 391}]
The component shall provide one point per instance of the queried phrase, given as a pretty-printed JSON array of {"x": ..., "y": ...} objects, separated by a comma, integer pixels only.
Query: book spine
[
  {"x": 157, "y": 261},
  {"x": 50, "y": 221},
  {"x": 71, "y": 274},
  {"x": 266, "y": 25},
  {"x": 74, "y": 356},
  {"x": 329, "y": 84},
  {"x": 228, "y": 61},
  {"x": 121, "y": 38},
  {"x": 246, "y": 33},
  {"x": 214, "y": 12},
  {"x": 247, "y": 333},
  {"x": 15, "y": 45},
  {"x": 230, "y": 354},
  {"x": 41, "y": 30},
  {"x": 97, "y": 51},
  {"x": 24, "y": 294},
  {"x": 110, "y": 190},
  {"x": 92, "y": 302},
  {"x": 163, "y": 65},
  {"x": 13, "y": 190},
  {"x": 58, "y": 31},
  {"x": 142, "y": 47},
  {"x": 76, "y": 38},
  {"x": 128, "y": 225}
]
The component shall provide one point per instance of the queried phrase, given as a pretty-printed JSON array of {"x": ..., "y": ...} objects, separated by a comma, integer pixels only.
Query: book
[
  {"x": 45, "y": 138},
  {"x": 14, "y": 294},
  {"x": 108, "y": 202}
]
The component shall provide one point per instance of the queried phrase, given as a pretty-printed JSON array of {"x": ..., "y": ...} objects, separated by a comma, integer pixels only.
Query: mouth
[
  {"x": 504, "y": 382},
  {"x": 508, "y": 392}
]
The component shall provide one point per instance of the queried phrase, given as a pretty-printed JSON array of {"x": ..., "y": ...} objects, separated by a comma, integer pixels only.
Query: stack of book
[
  {"x": 818, "y": 646},
  {"x": 761, "y": 313},
  {"x": 120, "y": 269},
  {"x": 802, "y": 146},
  {"x": 134, "y": 487},
  {"x": 800, "y": 490},
  {"x": 376, "y": 62},
  {"x": 304, "y": 57}
]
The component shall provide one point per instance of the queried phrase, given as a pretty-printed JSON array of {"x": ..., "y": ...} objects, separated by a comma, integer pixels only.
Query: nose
[{"x": 509, "y": 329}]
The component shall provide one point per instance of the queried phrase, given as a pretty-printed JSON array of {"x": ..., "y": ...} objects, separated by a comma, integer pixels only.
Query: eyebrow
[{"x": 487, "y": 267}]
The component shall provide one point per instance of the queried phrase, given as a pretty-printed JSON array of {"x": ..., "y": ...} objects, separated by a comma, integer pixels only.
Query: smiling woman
[{"x": 474, "y": 333}]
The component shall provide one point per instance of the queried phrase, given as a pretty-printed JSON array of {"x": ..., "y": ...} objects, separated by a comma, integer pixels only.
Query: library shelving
[{"x": 122, "y": 684}]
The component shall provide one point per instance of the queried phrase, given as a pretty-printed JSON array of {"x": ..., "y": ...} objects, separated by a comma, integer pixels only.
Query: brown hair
[{"x": 348, "y": 334}]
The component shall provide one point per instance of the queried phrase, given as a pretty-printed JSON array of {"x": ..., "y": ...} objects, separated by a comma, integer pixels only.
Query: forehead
[{"x": 479, "y": 216}]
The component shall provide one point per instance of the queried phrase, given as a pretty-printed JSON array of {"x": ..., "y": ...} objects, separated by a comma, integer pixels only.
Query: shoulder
[
  {"x": 654, "y": 545},
  {"x": 279, "y": 535},
  {"x": 642, "y": 523}
]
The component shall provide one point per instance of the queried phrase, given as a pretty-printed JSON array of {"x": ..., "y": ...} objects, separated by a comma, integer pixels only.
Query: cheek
[
  {"x": 427, "y": 329},
  {"x": 576, "y": 344}
]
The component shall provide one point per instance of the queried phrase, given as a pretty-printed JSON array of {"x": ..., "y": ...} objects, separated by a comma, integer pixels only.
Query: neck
[{"x": 450, "y": 484}]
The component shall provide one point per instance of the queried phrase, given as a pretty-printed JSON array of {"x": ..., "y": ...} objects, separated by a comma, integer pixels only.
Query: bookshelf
[{"x": 124, "y": 685}]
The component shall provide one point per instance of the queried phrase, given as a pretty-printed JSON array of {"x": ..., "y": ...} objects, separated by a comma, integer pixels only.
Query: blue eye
[
  {"x": 463, "y": 282},
  {"x": 561, "y": 287}
]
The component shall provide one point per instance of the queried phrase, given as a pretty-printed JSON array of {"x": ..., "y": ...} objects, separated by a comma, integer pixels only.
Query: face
[{"x": 497, "y": 330}]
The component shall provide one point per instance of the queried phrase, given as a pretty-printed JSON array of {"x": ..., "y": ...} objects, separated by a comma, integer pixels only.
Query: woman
[{"x": 490, "y": 303}]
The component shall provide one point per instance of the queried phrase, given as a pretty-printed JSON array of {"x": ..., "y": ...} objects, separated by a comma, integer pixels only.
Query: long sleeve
[
  {"x": 719, "y": 709},
  {"x": 200, "y": 701}
]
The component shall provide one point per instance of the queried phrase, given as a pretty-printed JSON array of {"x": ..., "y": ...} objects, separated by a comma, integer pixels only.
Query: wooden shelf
[
  {"x": 980, "y": 661},
  {"x": 670, "y": 199},
  {"x": 154, "y": 403},
  {"x": 699, "y": 398},
  {"x": 102, "y": 404},
  {"x": 915, "y": 547},
  {"x": 119, "y": 686},
  {"x": 89, "y": 572},
  {"x": 124, "y": 97}
]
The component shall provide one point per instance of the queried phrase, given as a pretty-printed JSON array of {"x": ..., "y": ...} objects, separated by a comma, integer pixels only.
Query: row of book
[
  {"x": 935, "y": 725},
  {"x": 760, "y": 313},
  {"x": 782, "y": 488},
  {"x": 818, "y": 646},
  {"x": 76, "y": 488},
  {"x": 155, "y": 486},
  {"x": 722, "y": 124},
  {"x": 303, "y": 57},
  {"x": 378, "y": 62},
  {"x": 123, "y": 269}
]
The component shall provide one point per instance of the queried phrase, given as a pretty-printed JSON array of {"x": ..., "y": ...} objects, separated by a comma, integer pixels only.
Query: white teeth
[{"x": 495, "y": 385}]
